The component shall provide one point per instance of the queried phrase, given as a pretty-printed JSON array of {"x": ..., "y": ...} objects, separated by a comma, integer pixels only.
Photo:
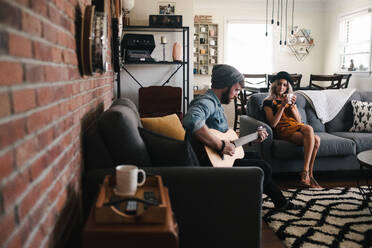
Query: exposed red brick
[
  {"x": 42, "y": 51},
  {"x": 49, "y": 32},
  {"x": 10, "y": 73},
  {"x": 68, "y": 90},
  {"x": 31, "y": 24},
  {"x": 7, "y": 225},
  {"x": 55, "y": 73},
  {"x": 34, "y": 73},
  {"x": 37, "y": 167},
  {"x": 37, "y": 239},
  {"x": 56, "y": 55},
  {"x": 45, "y": 95},
  {"x": 21, "y": 235},
  {"x": 59, "y": 92},
  {"x": 28, "y": 202},
  {"x": 14, "y": 188},
  {"x": 23, "y": 2},
  {"x": 73, "y": 74},
  {"x": 11, "y": 131},
  {"x": 4, "y": 104},
  {"x": 54, "y": 15},
  {"x": 23, "y": 100},
  {"x": 10, "y": 15},
  {"x": 60, "y": 5},
  {"x": 45, "y": 138},
  {"x": 40, "y": 7},
  {"x": 61, "y": 201},
  {"x": 7, "y": 164},
  {"x": 69, "y": 10},
  {"x": 40, "y": 210},
  {"x": 26, "y": 151},
  {"x": 46, "y": 182},
  {"x": 36, "y": 121},
  {"x": 53, "y": 194},
  {"x": 20, "y": 46}
]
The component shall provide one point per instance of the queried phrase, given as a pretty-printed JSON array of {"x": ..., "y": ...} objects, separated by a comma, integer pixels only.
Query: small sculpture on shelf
[{"x": 351, "y": 67}]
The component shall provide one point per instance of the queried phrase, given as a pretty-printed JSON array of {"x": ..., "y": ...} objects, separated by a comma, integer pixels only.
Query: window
[
  {"x": 247, "y": 48},
  {"x": 355, "y": 42}
]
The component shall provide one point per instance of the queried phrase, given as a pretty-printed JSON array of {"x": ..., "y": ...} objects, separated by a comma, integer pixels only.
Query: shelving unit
[
  {"x": 184, "y": 64},
  {"x": 205, "y": 47},
  {"x": 300, "y": 44}
]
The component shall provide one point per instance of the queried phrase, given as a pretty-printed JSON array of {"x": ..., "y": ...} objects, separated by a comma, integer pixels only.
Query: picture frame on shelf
[{"x": 167, "y": 8}]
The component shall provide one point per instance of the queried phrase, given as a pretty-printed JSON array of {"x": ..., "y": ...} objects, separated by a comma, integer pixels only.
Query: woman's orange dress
[{"x": 287, "y": 124}]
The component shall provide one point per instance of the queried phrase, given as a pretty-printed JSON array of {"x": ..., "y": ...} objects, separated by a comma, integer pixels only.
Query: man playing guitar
[{"x": 206, "y": 113}]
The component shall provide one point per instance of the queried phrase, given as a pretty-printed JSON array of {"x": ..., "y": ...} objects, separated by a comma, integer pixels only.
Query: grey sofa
[
  {"x": 214, "y": 207},
  {"x": 338, "y": 147}
]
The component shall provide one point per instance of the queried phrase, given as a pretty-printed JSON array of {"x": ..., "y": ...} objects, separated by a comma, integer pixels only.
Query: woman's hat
[{"x": 282, "y": 75}]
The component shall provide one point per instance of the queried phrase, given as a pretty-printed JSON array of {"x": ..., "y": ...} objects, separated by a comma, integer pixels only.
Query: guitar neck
[{"x": 246, "y": 139}]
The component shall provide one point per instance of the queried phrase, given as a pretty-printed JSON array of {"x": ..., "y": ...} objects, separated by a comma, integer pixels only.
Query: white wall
[
  {"x": 335, "y": 9},
  {"x": 149, "y": 75},
  {"x": 308, "y": 14}
]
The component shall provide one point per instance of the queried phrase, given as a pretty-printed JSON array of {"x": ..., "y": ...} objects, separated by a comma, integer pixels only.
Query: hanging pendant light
[
  {"x": 267, "y": 9},
  {"x": 292, "y": 16},
  {"x": 279, "y": 22},
  {"x": 272, "y": 13}
]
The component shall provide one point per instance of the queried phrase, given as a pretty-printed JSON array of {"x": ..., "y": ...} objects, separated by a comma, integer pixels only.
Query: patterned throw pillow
[{"x": 362, "y": 115}]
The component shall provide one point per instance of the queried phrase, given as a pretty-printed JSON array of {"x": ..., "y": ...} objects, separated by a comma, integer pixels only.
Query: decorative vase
[{"x": 177, "y": 51}]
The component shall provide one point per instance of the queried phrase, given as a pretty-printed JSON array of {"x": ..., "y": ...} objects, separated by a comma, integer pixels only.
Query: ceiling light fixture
[{"x": 279, "y": 21}]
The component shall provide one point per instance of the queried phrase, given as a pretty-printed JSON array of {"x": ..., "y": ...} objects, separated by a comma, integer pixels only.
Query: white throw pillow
[{"x": 362, "y": 115}]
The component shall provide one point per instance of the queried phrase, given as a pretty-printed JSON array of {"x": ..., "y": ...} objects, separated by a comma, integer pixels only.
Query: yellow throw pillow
[{"x": 169, "y": 125}]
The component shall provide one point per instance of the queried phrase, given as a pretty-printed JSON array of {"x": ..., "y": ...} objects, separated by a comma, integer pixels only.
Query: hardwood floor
[{"x": 269, "y": 239}]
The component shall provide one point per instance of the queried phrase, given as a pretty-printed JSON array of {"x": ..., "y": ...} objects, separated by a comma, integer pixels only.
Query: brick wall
[{"x": 44, "y": 105}]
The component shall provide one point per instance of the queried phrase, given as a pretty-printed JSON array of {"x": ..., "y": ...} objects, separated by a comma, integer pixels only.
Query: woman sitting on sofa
[{"x": 282, "y": 114}]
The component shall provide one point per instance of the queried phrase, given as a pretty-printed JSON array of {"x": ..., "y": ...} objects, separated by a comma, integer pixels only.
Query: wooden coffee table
[
  {"x": 365, "y": 162},
  {"x": 131, "y": 235}
]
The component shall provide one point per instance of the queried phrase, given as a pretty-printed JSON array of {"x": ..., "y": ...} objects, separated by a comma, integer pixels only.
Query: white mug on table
[{"x": 127, "y": 180}]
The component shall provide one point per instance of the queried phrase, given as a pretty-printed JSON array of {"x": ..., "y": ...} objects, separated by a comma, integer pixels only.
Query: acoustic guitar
[{"x": 226, "y": 160}]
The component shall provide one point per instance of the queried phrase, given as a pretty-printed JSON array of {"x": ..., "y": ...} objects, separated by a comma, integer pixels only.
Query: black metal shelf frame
[{"x": 184, "y": 64}]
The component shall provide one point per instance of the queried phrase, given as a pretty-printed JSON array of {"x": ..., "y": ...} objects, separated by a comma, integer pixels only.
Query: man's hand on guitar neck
[{"x": 262, "y": 133}]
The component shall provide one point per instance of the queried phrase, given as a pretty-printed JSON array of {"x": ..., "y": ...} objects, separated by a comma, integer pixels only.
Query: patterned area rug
[{"x": 336, "y": 217}]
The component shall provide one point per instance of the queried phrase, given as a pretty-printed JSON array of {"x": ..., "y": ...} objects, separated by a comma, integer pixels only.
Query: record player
[{"x": 137, "y": 47}]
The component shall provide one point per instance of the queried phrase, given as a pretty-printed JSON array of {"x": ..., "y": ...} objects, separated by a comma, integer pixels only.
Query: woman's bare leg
[
  {"x": 313, "y": 155},
  {"x": 299, "y": 138},
  {"x": 313, "y": 182}
]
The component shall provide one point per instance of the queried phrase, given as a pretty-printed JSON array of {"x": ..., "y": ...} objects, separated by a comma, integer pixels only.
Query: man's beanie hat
[{"x": 225, "y": 76}]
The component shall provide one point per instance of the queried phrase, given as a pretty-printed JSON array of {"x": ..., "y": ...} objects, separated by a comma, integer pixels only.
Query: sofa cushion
[
  {"x": 330, "y": 145},
  {"x": 254, "y": 106},
  {"x": 363, "y": 141},
  {"x": 169, "y": 125},
  {"x": 362, "y": 116},
  {"x": 344, "y": 119},
  {"x": 165, "y": 151},
  {"x": 119, "y": 130}
]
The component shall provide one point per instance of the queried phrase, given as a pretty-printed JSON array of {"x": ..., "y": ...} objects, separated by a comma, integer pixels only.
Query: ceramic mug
[
  {"x": 289, "y": 97},
  {"x": 127, "y": 180}
]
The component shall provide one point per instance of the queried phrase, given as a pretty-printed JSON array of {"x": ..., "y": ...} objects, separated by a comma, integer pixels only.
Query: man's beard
[{"x": 225, "y": 98}]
